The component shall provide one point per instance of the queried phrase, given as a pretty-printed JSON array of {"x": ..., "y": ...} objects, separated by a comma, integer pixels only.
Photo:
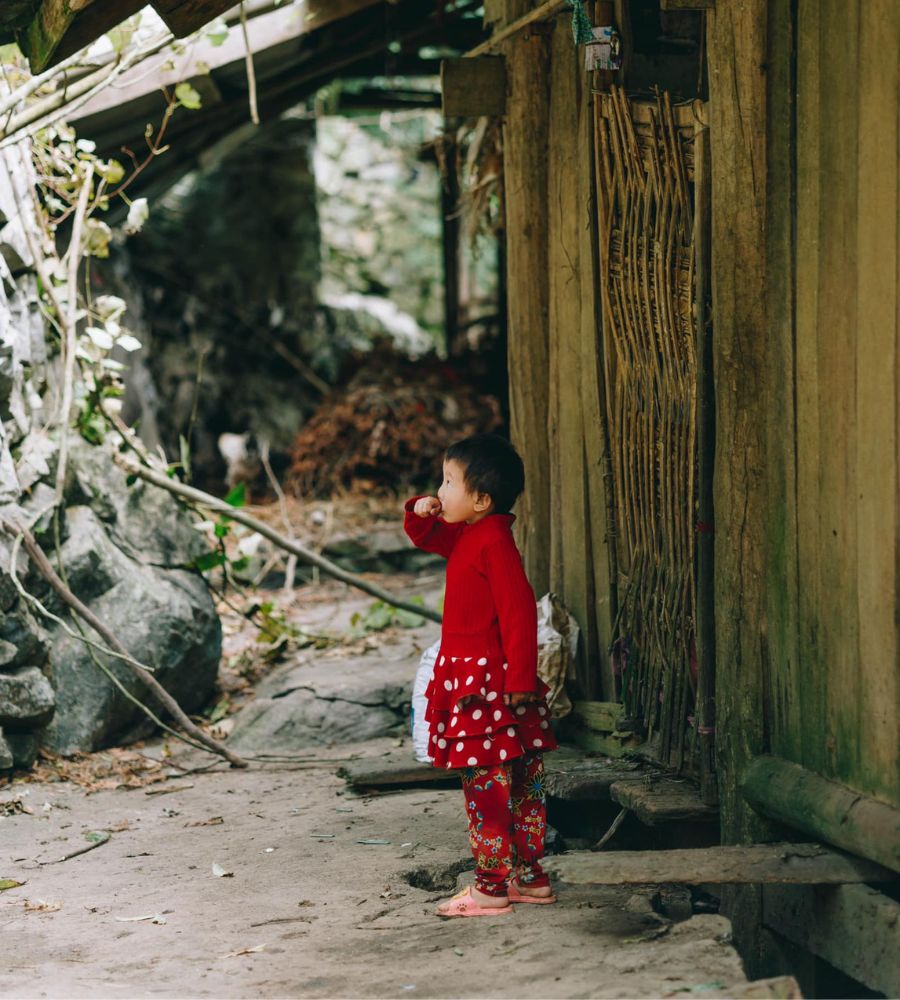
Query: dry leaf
[
  {"x": 212, "y": 821},
  {"x": 40, "y": 906},
  {"x": 244, "y": 951}
]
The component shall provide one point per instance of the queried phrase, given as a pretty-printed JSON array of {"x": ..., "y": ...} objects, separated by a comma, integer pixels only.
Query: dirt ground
[{"x": 279, "y": 881}]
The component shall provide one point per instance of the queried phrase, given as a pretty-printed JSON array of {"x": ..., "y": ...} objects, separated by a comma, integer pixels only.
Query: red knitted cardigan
[{"x": 489, "y": 606}]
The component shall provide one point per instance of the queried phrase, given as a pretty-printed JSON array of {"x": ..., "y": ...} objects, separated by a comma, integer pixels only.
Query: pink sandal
[
  {"x": 463, "y": 905},
  {"x": 518, "y": 897}
]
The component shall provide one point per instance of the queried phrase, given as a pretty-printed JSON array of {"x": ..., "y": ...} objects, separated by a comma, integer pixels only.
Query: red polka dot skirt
[{"x": 485, "y": 731}]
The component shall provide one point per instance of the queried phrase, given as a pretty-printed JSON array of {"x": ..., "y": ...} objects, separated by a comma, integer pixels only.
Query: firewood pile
[{"x": 387, "y": 427}]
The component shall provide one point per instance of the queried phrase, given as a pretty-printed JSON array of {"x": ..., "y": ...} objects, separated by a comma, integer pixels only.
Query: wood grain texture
[
  {"x": 525, "y": 144},
  {"x": 803, "y": 864},
  {"x": 853, "y": 927},
  {"x": 736, "y": 46},
  {"x": 803, "y": 800}
]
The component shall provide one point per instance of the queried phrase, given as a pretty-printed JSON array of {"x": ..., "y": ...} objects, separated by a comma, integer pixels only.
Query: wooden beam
[
  {"x": 665, "y": 800},
  {"x": 543, "y": 12},
  {"x": 852, "y": 927},
  {"x": 471, "y": 88},
  {"x": 92, "y": 22},
  {"x": 824, "y": 809},
  {"x": 800, "y": 864},
  {"x": 184, "y": 17},
  {"x": 40, "y": 40}
]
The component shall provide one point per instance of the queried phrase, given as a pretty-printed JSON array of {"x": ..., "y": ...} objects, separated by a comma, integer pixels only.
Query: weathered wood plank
[
  {"x": 388, "y": 771},
  {"x": 664, "y": 800},
  {"x": 838, "y": 623},
  {"x": 876, "y": 677},
  {"x": 573, "y": 777},
  {"x": 571, "y": 571},
  {"x": 803, "y": 864},
  {"x": 808, "y": 451},
  {"x": 600, "y": 682},
  {"x": 853, "y": 927},
  {"x": 525, "y": 136},
  {"x": 473, "y": 87},
  {"x": 824, "y": 809},
  {"x": 781, "y": 442},
  {"x": 736, "y": 46}
]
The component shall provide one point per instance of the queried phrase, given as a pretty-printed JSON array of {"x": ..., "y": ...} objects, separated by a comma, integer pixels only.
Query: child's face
[{"x": 457, "y": 503}]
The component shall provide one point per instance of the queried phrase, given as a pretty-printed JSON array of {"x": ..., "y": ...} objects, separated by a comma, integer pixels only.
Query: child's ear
[{"x": 483, "y": 502}]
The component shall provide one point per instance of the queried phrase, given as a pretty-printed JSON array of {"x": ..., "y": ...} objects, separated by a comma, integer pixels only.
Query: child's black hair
[{"x": 490, "y": 465}]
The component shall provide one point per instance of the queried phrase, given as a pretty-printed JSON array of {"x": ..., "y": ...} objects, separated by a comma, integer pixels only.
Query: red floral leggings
[{"x": 507, "y": 822}]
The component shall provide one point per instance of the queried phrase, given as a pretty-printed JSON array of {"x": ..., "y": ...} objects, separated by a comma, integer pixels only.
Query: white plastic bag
[
  {"x": 420, "y": 732},
  {"x": 557, "y": 649}
]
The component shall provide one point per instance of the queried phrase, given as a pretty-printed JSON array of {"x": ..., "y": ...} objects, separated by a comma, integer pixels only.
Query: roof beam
[{"x": 44, "y": 33}]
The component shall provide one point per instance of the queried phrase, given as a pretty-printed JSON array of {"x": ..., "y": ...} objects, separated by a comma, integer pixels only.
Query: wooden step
[
  {"x": 663, "y": 800},
  {"x": 394, "y": 769},
  {"x": 571, "y": 775},
  {"x": 802, "y": 864}
]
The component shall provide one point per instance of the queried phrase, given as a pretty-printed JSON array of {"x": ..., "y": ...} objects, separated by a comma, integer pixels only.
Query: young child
[{"x": 486, "y": 706}]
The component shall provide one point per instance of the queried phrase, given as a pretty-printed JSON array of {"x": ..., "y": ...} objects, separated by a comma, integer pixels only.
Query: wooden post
[
  {"x": 450, "y": 238},
  {"x": 736, "y": 46},
  {"x": 525, "y": 135},
  {"x": 706, "y": 402},
  {"x": 601, "y": 682}
]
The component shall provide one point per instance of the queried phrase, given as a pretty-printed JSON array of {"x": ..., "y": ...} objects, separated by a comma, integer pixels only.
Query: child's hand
[
  {"x": 427, "y": 507},
  {"x": 516, "y": 698}
]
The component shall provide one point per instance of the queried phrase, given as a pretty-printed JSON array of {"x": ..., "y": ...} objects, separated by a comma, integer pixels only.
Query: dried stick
[
  {"x": 251, "y": 72},
  {"x": 42, "y": 563},
  {"x": 307, "y": 555},
  {"x": 290, "y": 569},
  {"x": 71, "y": 328},
  {"x": 616, "y": 823}
]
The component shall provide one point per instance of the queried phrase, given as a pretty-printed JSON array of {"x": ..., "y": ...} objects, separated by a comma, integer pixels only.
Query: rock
[
  {"x": 333, "y": 701},
  {"x": 302, "y": 720},
  {"x": 142, "y": 520},
  {"x": 165, "y": 617},
  {"x": 6, "y": 754},
  {"x": 26, "y": 699},
  {"x": 24, "y": 748}
]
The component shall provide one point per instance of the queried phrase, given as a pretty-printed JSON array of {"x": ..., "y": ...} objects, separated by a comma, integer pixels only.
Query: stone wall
[{"x": 124, "y": 551}]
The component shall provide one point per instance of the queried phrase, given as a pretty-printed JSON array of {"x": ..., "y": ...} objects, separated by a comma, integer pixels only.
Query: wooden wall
[
  {"x": 804, "y": 250},
  {"x": 832, "y": 533},
  {"x": 554, "y": 351}
]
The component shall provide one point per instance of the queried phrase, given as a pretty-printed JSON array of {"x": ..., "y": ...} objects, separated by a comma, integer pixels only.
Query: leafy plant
[{"x": 380, "y": 615}]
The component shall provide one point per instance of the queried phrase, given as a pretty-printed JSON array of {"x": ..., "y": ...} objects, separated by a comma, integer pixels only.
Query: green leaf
[
  {"x": 238, "y": 496},
  {"x": 220, "y": 710},
  {"x": 131, "y": 479},
  {"x": 187, "y": 97},
  {"x": 9, "y": 883},
  {"x": 408, "y": 619},
  {"x": 208, "y": 561},
  {"x": 97, "y": 836},
  {"x": 221, "y": 529},
  {"x": 217, "y": 33}
]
